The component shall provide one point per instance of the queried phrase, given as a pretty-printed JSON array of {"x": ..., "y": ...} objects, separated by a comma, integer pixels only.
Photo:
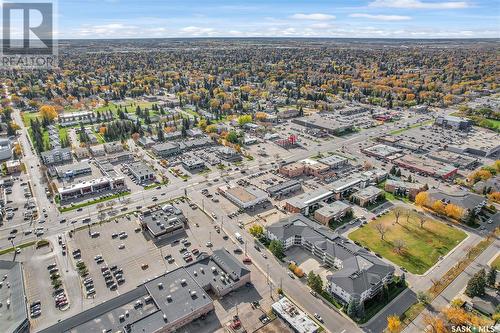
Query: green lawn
[
  {"x": 496, "y": 263},
  {"x": 422, "y": 246},
  {"x": 401, "y": 130},
  {"x": 63, "y": 133}
]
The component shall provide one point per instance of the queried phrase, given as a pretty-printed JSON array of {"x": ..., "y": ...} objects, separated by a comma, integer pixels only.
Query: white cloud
[
  {"x": 381, "y": 17},
  {"x": 417, "y": 4},
  {"x": 313, "y": 17},
  {"x": 198, "y": 31}
]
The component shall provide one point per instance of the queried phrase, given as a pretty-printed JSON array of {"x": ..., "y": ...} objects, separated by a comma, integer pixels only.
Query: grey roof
[
  {"x": 160, "y": 222},
  {"x": 202, "y": 271},
  {"x": 16, "y": 315},
  {"x": 282, "y": 186},
  {"x": 75, "y": 167},
  {"x": 333, "y": 159},
  {"x": 462, "y": 199},
  {"x": 360, "y": 269},
  {"x": 140, "y": 169},
  {"x": 360, "y": 272},
  {"x": 333, "y": 209},
  {"x": 303, "y": 200},
  {"x": 368, "y": 192}
]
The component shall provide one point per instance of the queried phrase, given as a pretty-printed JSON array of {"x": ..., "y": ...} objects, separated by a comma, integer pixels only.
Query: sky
[{"x": 278, "y": 18}]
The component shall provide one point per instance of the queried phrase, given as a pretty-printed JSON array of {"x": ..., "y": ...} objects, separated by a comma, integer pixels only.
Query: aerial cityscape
[{"x": 252, "y": 167}]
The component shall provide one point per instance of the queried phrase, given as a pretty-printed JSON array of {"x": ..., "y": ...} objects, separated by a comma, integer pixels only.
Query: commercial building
[
  {"x": 295, "y": 318},
  {"x": 91, "y": 187},
  {"x": 244, "y": 197},
  {"x": 334, "y": 161},
  {"x": 113, "y": 147},
  {"x": 456, "y": 123},
  {"x": 81, "y": 152},
  {"x": 193, "y": 163},
  {"x": 141, "y": 172},
  {"x": 13, "y": 166},
  {"x": 307, "y": 167},
  {"x": 478, "y": 142},
  {"x": 292, "y": 170},
  {"x": 360, "y": 274},
  {"x": 325, "y": 122},
  {"x": 457, "y": 160},
  {"x": 284, "y": 188},
  {"x": 332, "y": 212},
  {"x": 163, "y": 223},
  {"x": 166, "y": 303},
  {"x": 166, "y": 149},
  {"x": 229, "y": 154},
  {"x": 367, "y": 196},
  {"x": 13, "y": 312},
  {"x": 146, "y": 142},
  {"x": 73, "y": 170},
  {"x": 382, "y": 151},
  {"x": 220, "y": 273},
  {"x": 308, "y": 202},
  {"x": 426, "y": 166},
  {"x": 344, "y": 187},
  {"x": 402, "y": 188},
  {"x": 56, "y": 156},
  {"x": 5, "y": 150}
]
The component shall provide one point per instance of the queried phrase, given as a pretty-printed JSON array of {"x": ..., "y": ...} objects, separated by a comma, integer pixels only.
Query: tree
[
  {"x": 491, "y": 277},
  {"x": 315, "y": 282},
  {"x": 421, "y": 219},
  {"x": 353, "y": 308},
  {"x": 477, "y": 284},
  {"x": 423, "y": 297},
  {"x": 399, "y": 245},
  {"x": 393, "y": 324},
  {"x": 232, "y": 137},
  {"x": 276, "y": 248},
  {"x": 48, "y": 112},
  {"x": 454, "y": 211},
  {"x": 435, "y": 324},
  {"x": 438, "y": 207},
  {"x": 421, "y": 199},
  {"x": 136, "y": 137},
  {"x": 397, "y": 213},
  {"x": 256, "y": 230},
  {"x": 382, "y": 229},
  {"x": 244, "y": 119}
]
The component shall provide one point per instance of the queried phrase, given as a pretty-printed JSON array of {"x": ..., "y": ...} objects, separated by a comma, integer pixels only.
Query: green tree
[
  {"x": 315, "y": 282},
  {"x": 492, "y": 276},
  {"x": 232, "y": 137},
  {"x": 276, "y": 247},
  {"x": 423, "y": 297},
  {"x": 353, "y": 309},
  {"x": 476, "y": 285}
]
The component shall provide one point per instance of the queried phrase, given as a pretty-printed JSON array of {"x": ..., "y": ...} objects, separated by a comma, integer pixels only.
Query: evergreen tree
[
  {"x": 477, "y": 284},
  {"x": 491, "y": 277},
  {"x": 353, "y": 308}
]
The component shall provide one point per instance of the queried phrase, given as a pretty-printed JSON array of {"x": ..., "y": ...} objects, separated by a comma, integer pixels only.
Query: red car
[
  {"x": 195, "y": 251},
  {"x": 247, "y": 260}
]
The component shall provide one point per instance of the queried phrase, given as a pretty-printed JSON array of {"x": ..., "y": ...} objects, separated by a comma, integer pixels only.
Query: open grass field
[
  {"x": 422, "y": 246},
  {"x": 496, "y": 263}
]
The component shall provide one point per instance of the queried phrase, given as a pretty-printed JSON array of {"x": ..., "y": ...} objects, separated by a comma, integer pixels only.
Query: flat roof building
[
  {"x": 244, "y": 197},
  {"x": 294, "y": 317},
  {"x": 5, "y": 150},
  {"x": 325, "y": 122},
  {"x": 91, "y": 187},
  {"x": 367, "y": 195},
  {"x": 14, "y": 311},
  {"x": 332, "y": 212},
  {"x": 164, "y": 304},
  {"x": 162, "y": 223},
  {"x": 73, "y": 170},
  {"x": 141, "y": 171},
  {"x": 456, "y": 123},
  {"x": 382, "y": 151},
  {"x": 193, "y": 163},
  {"x": 426, "y": 166},
  {"x": 308, "y": 202},
  {"x": 334, "y": 161},
  {"x": 166, "y": 149},
  {"x": 284, "y": 188}
]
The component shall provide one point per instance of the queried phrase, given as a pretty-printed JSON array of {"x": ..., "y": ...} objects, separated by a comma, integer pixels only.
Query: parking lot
[{"x": 120, "y": 245}]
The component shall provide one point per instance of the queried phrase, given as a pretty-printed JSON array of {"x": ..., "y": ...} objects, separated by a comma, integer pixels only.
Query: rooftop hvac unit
[
  {"x": 193, "y": 293},
  {"x": 165, "y": 317},
  {"x": 169, "y": 298},
  {"x": 160, "y": 285},
  {"x": 195, "y": 273},
  {"x": 183, "y": 281}
]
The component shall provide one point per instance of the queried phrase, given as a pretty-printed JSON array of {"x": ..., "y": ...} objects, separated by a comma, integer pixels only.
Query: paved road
[{"x": 456, "y": 286}]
